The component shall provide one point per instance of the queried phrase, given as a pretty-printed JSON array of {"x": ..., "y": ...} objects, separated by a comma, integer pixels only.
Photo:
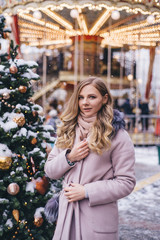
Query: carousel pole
[
  {"x": 109, "y": 66},
  {"x": 137, "y": 89},
  {"x": 115, "y": 15},
  {"x": 131, "y": 75},
  {"x": 157, "y": 112},
  {"x": 81, "y": 57},
  {"x": 132, "y": 69},
  {"x": 109, "y": 61},
  {"x": 37, "y": 14},
  {"x": 76, "y": 57},
  {"x": 44, "y": 78},
  {"x": 74, "y": 14},
  {"x": 121, "y": 68}
]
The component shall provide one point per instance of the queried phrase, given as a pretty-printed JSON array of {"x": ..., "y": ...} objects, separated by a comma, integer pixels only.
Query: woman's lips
[{"x": 87, "y": 109}]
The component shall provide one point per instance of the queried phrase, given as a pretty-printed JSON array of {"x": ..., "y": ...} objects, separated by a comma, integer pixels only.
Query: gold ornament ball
[
  {"x": 22, "y": 89},
  {"x": 5, "y": 162},
  {"x": 13, "y": 188},
  {"x": 20, "y": 120},
  {"x": 13, "y": 69},
  {"x": 6, "y": 95},
  {"x": 38, "y": 221}
]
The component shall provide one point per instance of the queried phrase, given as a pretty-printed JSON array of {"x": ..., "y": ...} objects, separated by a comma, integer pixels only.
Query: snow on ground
[
  {"x": 138, "y": 213},
  {"x": 147, "y": 164},
  {"x": 147, "y": 155}
]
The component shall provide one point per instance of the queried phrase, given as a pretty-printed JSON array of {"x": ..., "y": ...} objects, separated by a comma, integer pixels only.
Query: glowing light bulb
[
  {"x": 150, "y": 19},
  {"x": 115, "y": 15},
  {"x": 74, "y": 13},
  {"x": 130, "y": 77},
  {"x": 37, "y": 14},
  {"x": 140, "y": 81}
]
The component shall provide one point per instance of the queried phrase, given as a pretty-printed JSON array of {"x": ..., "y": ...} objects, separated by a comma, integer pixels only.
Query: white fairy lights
[
  {"x": 54, "y": 42},
  {"x": 31, "y": 18},
  {"x": 58, "y": 18},
  {"x": 82, "y": 22}
]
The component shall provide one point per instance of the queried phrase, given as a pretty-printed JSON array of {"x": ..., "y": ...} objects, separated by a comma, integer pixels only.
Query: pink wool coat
[{"x": 107, "y": 178}]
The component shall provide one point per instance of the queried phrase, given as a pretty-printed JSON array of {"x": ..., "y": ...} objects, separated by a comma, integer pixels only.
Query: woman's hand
[
  {"x": 79, "y": 151},
  {"x": 48, "y": 149},
  {"x": 75, "y": 192}
]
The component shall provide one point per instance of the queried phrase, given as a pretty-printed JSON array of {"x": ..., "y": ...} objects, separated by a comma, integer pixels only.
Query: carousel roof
[
  {"x": 118, "y": 23},
  {"x": 144, "y": 5}
]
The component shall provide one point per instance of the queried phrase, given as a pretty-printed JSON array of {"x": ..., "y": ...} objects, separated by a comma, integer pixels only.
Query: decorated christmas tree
[{"x": 24, "y": 188}]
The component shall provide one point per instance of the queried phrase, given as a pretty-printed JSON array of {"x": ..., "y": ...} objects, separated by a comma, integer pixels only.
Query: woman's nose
[{"x": 85, "y": 101}]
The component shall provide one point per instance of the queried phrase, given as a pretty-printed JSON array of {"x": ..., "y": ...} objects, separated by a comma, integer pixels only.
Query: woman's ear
[{"x": 105, "y": 98}]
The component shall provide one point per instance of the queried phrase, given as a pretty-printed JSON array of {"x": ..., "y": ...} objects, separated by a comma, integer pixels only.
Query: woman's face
[{"x": 90, "y": 100}]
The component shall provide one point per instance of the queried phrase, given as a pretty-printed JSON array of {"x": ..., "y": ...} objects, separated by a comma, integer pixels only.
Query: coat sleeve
[
  {"x": 56, "y": 165},
  {"x": 123, "y": 182}
]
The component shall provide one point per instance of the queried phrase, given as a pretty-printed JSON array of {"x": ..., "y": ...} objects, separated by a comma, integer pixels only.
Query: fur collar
[{"x": 117, "y": 122}]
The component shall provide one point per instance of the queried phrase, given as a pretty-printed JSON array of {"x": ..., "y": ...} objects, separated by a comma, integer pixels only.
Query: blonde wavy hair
[{"x": 102, "y": 128}]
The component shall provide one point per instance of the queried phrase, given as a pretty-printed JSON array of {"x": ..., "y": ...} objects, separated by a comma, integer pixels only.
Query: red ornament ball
[{"x": 42, "y": 185}]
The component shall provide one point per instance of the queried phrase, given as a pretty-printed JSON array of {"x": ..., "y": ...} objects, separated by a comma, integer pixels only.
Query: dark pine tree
[{"x": 24, "y": 188}]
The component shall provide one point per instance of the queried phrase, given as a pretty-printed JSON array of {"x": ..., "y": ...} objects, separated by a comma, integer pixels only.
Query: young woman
[{"x": 95, "y": 156}]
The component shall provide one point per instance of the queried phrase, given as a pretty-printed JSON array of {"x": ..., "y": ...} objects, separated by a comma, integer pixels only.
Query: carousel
[{"x": 117, "y": 40}]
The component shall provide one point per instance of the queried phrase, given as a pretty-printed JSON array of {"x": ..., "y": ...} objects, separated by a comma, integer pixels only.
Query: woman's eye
[
  {"x": 92, "y": 97},
  {"x": 80, "y": 97}
]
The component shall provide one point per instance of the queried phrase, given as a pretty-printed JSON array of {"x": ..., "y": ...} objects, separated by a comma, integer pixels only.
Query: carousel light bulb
[
  {"x": 150, "y": 19},
  {"x": 74, "y": 13},
  {"x": 130, "y": 77},
  {"x": 115, "y": 15},
  {"x": 140, "y": 81},
  {"x": 37, "y": 14}
]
